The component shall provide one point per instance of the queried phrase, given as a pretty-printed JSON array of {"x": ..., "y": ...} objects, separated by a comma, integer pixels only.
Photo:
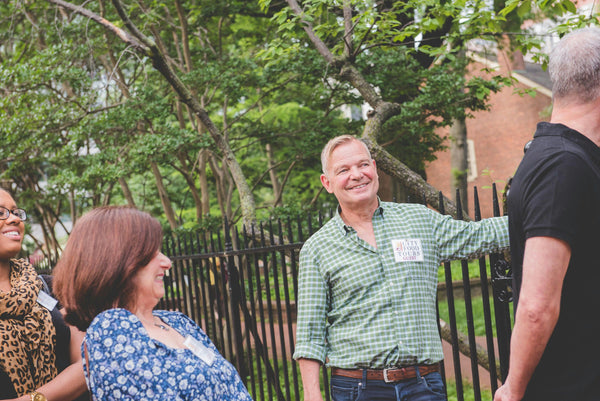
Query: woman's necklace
[{"x": 160, "y": 325}]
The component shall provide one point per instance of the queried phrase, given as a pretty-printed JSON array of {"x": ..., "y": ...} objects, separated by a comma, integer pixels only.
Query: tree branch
[
  {"x": 348, "y": 29},
  {"x": 308, "y": 28},
  {"x": 418, "y": 187},
  {"x": 125, "y": 37},
  {"x": 147, "y": 46}
]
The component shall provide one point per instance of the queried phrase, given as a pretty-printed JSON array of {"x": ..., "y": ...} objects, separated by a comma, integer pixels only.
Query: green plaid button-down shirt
[{"x": 366, "y": 307}]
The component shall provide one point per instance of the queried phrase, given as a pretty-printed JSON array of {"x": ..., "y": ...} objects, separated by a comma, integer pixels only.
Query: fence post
[
  {"x": 452, "y": 319},
  {"x": 485, "y": 296},
  {"x": 235, "y": 293},
  {"x": 501, "y": 273}
]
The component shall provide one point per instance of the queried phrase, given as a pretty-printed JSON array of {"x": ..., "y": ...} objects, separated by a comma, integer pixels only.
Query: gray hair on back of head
[{"x": 574, "y": 66}]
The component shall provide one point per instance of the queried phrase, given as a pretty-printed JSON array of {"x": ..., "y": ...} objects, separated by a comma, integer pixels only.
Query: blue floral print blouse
[{"x": 126, "y": 364}]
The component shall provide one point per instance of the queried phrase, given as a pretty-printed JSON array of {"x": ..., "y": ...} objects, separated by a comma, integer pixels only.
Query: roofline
[{"x": 522, "y": 79}]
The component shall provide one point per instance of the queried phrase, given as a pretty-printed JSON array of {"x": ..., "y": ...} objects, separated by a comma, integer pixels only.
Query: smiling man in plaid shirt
[{"x": 367, "y": 286}]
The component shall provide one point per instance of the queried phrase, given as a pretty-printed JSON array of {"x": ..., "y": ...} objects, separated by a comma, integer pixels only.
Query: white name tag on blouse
[
  {"x": 200, "y": 350},
  {"x": 407, "y": 250},
  {"x": 46, "y": 300}
]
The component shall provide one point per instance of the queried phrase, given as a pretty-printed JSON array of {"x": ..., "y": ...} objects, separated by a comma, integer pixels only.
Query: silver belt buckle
[{"x": 385, "y": 376}]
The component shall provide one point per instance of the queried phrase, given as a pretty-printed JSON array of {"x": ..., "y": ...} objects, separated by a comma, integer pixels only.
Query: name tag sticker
[
  {"x": 200, "y": 350},
  {"x": 407, "y": 250},
  {"x": 46, "y": 300}
]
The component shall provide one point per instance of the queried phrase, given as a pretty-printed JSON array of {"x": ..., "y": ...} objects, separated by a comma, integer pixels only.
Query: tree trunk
[
  {"x": 164, "y": 198},
  {"x": 126, "y": 192},
  {"x": 202, "y": 178},
  {"x": 459, "y": 154},
  {"x": 188, "y": 176},
  {"x": 508, "y": 57},
  {"x": 276, "y": 185},
  {"x": 218, "y": 173}
]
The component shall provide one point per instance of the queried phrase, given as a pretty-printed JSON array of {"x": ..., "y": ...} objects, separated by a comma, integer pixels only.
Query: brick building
[{"x": 496, "y": 137}]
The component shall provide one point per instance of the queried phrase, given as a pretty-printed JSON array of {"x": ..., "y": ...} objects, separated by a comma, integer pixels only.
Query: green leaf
[
  {"x": 569, "y": 6},
  {"x": 509, "y": 6},
  {"x": 524, "y": 9}
]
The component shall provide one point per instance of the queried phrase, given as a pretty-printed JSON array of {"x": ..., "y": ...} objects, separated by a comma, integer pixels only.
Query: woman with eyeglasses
[{"x": 35, "y": 343}]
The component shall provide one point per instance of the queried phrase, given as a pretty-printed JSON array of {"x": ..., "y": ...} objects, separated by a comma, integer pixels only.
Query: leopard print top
[{"x": 27, "y": 335}]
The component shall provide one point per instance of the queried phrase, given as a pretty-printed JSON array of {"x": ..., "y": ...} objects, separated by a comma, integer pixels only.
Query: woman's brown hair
[{"x": 106, "y": 248}]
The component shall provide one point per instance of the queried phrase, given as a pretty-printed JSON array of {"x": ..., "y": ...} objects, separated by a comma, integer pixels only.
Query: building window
[{"x": 471, "y": 161}]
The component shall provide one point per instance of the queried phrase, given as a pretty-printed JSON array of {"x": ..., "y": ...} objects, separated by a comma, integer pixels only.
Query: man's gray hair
[
  {"x": 334, "y": 143},
  {"x": 575, "y": 66}
]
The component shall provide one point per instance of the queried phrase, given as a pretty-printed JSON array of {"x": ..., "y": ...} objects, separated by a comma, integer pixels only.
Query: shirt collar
[
  {"x": 582, "y": 141},
  {"x": 345, "y": 229}
]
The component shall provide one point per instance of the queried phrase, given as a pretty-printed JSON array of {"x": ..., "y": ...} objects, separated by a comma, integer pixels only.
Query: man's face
[{"x": 351, "y": 176}]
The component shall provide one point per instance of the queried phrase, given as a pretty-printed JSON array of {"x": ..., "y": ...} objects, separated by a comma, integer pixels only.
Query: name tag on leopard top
[
  {"x": 407, "y": 250},
  {"x": 46, "y": 300},
  {"x": 200, "y": 350}
]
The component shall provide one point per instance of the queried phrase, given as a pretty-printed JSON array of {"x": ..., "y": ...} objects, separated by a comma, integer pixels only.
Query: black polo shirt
[{"x": 556, "y": 193}]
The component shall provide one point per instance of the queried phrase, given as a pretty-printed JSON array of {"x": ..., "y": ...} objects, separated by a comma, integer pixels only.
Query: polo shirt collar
[{"x": 545, "y": 129}]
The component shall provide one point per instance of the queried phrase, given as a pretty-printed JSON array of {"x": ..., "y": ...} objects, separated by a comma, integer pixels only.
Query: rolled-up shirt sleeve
[{"x": 312, "y": 303}]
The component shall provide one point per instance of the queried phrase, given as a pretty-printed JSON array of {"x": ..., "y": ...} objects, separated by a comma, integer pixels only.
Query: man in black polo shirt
[{"x": 554, "y": 221}]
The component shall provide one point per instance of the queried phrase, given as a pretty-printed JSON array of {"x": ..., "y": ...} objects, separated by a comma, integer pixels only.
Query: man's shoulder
[
  {"x": 551, "y": 140},
  {"x": 556, "y": 147},
  {"x": 403, "y": 210},
  {"x": 566, "y": 158},
  {"x": 330, "y": 228}
]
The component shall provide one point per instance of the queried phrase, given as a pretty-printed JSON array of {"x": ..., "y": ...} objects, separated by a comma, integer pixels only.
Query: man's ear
[{"x": 326, "y": 183}]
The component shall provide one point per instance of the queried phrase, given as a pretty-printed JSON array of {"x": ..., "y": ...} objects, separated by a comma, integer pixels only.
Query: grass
[
  {"x": 476, "y": 300},
  {"x": 282, "y": 378},
  {"x": 461, "y": 315},
  {"x": 456, "y": 268},
  {"x": 468, "y": 395}
]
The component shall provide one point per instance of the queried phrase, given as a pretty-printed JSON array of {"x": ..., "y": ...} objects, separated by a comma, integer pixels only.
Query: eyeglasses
[{"x": 5, "y": 213}]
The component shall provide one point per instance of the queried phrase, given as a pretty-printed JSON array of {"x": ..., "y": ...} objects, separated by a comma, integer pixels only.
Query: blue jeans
[{"x": 422, "y": 388}]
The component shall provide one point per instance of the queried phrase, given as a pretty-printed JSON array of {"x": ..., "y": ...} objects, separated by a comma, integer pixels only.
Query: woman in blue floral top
[{"x": 109, "y": 279}]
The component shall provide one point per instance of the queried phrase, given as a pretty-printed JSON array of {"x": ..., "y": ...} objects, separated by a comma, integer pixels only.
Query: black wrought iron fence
[{"x": 241, "y": 288}]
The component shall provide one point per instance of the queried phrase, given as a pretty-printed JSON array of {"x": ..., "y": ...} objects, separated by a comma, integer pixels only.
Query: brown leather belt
[{"x": 387, "y": 375}]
